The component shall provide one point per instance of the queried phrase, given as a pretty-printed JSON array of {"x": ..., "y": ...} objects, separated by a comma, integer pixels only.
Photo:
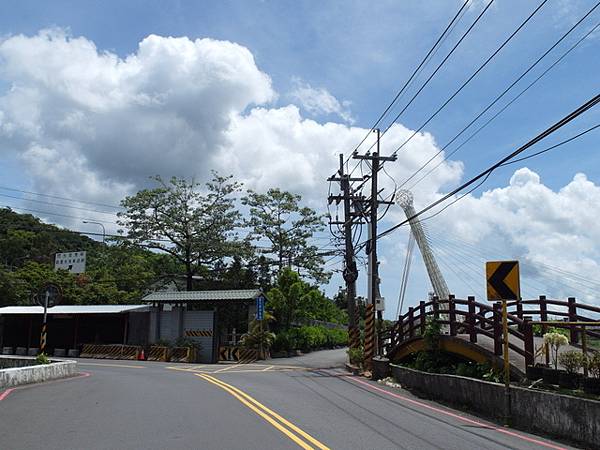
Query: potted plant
[
  {"x": 572, "y": 361},
  {"x": 554, "y": 341},
  {"x": 591, "y": 385}
]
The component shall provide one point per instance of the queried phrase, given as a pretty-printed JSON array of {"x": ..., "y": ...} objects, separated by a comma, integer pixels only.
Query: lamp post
[{"x": 98, "y": 223}]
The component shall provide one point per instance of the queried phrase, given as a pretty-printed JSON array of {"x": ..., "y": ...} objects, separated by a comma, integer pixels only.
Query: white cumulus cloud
[{"x": 319, "y": 101}]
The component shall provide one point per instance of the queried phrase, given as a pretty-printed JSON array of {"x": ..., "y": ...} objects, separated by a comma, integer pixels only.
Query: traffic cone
[{"x": 141, "y": 356}]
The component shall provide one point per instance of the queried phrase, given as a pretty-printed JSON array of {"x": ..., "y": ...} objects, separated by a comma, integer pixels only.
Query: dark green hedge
[{"x": 308, "y": 338}]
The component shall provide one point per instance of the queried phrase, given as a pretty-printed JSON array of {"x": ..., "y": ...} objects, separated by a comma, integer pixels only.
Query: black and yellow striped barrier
[
  {"x": 369, "y": 336},
  {"x": 198, "y": 333},
  {"x": 183, "y": 354},
  {"x": 43, "y": 338},
  {"x": 157, "y": 353},
  {"x": 110, "y": 351},
  {"x": 242, "y": 355}
]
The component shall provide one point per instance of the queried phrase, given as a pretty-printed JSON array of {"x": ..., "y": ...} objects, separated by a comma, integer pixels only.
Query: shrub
[
  {"x": 593, "y": 364},
  {"x": 163, "y": 343},
  {"x": 308, "y": 338},
  {"x": 283, "y": 342},
  {"x": 356, "y": 356},
  {"x": 555, "y": 341},
  {"x": 572, "y": 361},
  {"x": 336, "y": 337},
  {"x": 538, "y": 330},
  {"x": 188, "y": 343},
  {"x": 258, "y": 338},
  {"x": 42, "y": 359},
  {"x": 432, "y": 333}
]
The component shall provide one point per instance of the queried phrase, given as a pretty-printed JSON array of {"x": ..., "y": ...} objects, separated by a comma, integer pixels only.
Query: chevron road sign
[{"x": 502, "y": 280}]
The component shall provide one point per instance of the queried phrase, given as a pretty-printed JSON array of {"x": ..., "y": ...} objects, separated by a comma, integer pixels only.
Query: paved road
[{"x": 282, "y": 405}]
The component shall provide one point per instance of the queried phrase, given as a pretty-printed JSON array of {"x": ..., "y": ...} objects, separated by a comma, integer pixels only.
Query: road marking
[
  {"x": 111, "y": 365},
  {"x": 185, "y": 369},
  {"x": 233, "y": 366},
  {"x": 456, "y": 416},
  {"x": 271, "y": 416}
]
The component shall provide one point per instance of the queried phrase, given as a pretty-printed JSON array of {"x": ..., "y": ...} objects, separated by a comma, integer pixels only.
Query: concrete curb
[
  {"x": 17, "y": 376},
  {"x": 354, "y": 370}
]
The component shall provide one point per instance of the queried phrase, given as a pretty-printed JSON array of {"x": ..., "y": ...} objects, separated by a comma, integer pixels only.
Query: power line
[
  {"x": 414, "y": 73},
  {"x": 565, "y": 120},
  {"x": 481, "y": 67},
  {"x": 420, "y": 67},
  {"x": 59, "y": 198},
  {"x": 506, "y": 106},
  {"x": 506, "y": 164},
  {"x": 62, "y": 205},
  {"x": 532, "y": 283},
  {"x": 552, "y": 147},
  {"x": 440, "y": 65},
  {"x": 502, "y": 94},
  {"x": 53, "y": 214}
]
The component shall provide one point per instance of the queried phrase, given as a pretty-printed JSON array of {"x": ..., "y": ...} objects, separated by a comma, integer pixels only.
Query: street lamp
[{"x": 98, "y": 223}]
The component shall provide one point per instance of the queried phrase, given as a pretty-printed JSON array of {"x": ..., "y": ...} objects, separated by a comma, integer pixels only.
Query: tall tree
[
  {"x": 193, "y": 223},
  {"x": 292, "y": 300},
  {"x": 278, "y": 217}
]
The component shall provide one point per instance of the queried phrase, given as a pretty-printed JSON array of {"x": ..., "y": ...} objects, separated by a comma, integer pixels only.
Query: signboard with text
[
  {"x": 73, "y": 262},
  {"x": 260, "y": 308}
]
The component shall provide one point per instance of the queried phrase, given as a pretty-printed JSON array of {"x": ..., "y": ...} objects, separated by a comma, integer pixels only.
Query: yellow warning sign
[{"x": 503, "y": 280}]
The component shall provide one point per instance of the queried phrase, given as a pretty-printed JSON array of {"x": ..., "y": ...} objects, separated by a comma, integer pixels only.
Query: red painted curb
[
  {"x": 455, "y": 416},
  {"x": 8, "y": 391}
]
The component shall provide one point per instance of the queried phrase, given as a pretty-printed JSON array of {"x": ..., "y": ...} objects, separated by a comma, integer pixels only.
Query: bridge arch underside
[{"x": 455, "y": 346}]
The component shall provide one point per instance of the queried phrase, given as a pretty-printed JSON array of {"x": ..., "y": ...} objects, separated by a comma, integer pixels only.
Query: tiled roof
[
  {"x": 186, "y": 296},
  {"x": 73, "y": 309}
]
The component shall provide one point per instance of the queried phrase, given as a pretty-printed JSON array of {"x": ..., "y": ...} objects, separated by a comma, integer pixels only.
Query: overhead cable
[{"x": 565, "y": 120}]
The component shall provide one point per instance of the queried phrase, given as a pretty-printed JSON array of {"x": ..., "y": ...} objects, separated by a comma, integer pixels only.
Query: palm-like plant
[{"x": 258, "y": 337}]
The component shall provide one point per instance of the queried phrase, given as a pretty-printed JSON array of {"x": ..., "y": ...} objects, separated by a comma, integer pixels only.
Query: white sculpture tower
[{"x": 404, "y": 198}]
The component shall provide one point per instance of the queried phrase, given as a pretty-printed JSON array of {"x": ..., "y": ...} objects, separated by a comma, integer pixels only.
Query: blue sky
[{"x": 361, "y": 53}]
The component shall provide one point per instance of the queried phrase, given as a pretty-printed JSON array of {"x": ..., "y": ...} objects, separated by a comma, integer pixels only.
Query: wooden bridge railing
[{"x": 472, "y": 318}]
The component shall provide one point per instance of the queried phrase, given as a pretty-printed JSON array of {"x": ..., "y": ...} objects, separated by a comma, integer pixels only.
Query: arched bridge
[{"x": 474, "y": 329}]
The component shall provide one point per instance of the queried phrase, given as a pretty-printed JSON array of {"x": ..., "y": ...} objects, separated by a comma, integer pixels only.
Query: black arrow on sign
[{"x": 497, "y": 281}]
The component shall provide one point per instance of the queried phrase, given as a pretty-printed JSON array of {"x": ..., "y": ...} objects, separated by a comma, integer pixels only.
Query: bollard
[{"x": 369, "y": 336}]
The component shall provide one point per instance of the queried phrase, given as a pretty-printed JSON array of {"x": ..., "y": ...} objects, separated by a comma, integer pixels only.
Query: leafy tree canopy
[
  {"x": 278, "y": 217},
  {"x": 294, "y": 301},
  {"x": 193, "y": 223}
]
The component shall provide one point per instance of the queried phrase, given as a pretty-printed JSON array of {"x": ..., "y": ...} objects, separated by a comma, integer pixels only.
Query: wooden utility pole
[
  {"x": 374, "y": 202},
  {"x": 350, "y": 269}
]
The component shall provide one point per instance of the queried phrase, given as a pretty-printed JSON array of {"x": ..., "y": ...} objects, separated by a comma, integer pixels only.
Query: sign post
[
  {"x": 51, "y": 294},
  {"x": 260, "y": 315},
  {"x": 503, "y": 284}
]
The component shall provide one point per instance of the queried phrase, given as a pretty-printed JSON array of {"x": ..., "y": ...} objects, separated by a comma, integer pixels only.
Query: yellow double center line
[{"x": 297, "y": 435}]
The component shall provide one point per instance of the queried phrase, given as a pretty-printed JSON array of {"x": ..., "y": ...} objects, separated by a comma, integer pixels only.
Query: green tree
[
  {"x": 278, "y": 217},
  {"x": 294, "y": 301},
  {"x": 196, "y": 228}
]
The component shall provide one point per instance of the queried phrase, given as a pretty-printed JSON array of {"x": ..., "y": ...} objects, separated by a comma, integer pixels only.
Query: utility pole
[
  {"x": 350, "y": 269},
  {"x": 374, "y": 202}
]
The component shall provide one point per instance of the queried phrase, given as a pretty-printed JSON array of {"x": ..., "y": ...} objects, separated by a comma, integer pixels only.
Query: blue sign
[{"x": 260, "y": 308}]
